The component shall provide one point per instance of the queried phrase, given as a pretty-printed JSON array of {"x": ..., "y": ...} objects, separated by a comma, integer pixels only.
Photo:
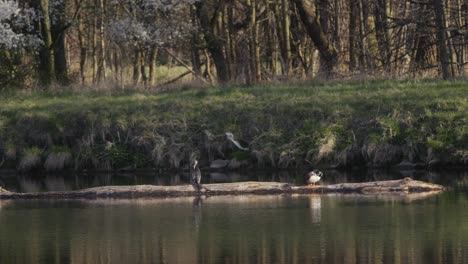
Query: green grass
[{"x": 283, "y": 123}]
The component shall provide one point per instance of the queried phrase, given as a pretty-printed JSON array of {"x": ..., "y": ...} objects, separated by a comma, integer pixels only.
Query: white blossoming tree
[
  {"x": 148, "y": 27},
  {"x": 16, "y": 37}
]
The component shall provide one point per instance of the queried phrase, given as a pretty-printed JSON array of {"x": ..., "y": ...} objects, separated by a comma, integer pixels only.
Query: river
[{"x": 241, "y": 229}]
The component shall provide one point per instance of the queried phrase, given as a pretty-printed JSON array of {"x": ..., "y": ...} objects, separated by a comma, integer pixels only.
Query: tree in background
[
  {"x": 123, "y": 42},
  {"x": 16, "y": 38}
]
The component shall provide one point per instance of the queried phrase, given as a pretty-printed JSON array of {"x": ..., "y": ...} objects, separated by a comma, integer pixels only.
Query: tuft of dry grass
[
  {"x": 56, "y": 161},
  {"x": 30, "y": 160}
]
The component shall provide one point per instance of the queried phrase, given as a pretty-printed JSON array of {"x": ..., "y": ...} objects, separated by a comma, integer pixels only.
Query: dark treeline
[{"x": 239, "y": 41}]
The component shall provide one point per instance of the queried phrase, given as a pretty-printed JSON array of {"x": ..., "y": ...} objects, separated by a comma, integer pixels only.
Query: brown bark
[
  {"x": 353, "y": 16},
  {"x": 214, "y": 44},
  {"x": 382, "y": 32},
  {"x": 152, "y": 65},
  {"x": 137, "y": 67},
  {"x": 254, "y": 63},
  {"x": 316, "y": 33},
  {"x": 195, "y": 52},
  {"x": 46, "y": 54},
  {"x": 285, "y": 37},
  {"x": 442, "y": 39},
  {"x": 101, "y": 71},
  {"x": 83, "y": 48},
  {"x": 58, "y": 37}
]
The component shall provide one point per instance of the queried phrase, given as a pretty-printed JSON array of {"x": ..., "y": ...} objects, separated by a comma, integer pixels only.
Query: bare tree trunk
[
  {"x": 353, "y": 6},
  {"x": 285, "y": 38},
  {"x": 143, "y": 61},
  {"x": 382, "y": 34},
  {"x": 83, "y": 47},
  {"x": 101, "y": 71},
  {"x": 195, "y": 52},
  {"x": 232, "y": 43},
  {"x": 312, "y": 24},
  {"x": 46, "y": 54},
  {"x": 152, "y": 65},
  {"x": 214, "y": 44},
  {"x": 255, "y": 68},
  {"x": 136, "y": 66},
  {"x": 441, "y": 38},
  {"x": 207, "y": 73},
  {"x": 94, "y": 47},
  {"x": 58, "y": 37},
  {"x": 116, "y": 63}
]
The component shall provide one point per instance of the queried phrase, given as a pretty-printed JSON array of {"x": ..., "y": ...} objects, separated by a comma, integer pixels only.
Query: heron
[
  {"x": 313, "y": 177},
  {"x": 195, "y": 175},
  {"x": 230, "y": 137}
]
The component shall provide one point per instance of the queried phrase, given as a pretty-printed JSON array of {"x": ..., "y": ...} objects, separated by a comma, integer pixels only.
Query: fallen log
[{"x": 406, "y": 185}]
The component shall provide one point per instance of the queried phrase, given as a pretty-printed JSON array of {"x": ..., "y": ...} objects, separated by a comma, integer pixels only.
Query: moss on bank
[{"x": 372, "y": 123}]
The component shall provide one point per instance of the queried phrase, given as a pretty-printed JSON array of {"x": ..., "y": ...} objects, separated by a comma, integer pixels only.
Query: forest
[
  {"x": 123, "y": 42},
  {"x": 112, "y": 84}
]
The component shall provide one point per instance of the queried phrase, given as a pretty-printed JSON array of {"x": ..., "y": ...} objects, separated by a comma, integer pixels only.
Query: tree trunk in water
[
  {"x": 214, "y": 44},
  {"x": 441, "y": 38},
  {"x": 314, "y": 29},
  {"x": 46, "y": 54}
]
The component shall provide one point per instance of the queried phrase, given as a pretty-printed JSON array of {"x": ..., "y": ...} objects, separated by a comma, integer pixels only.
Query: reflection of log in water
[{"x": 406, "y": 185}]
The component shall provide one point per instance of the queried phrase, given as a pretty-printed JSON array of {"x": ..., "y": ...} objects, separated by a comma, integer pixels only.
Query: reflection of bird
[
  {"x": 196, "y": 212},
  {"x": 315, "y": 205},
  {"x": 314, "y": 176},
  {"x": 230, "y": 137},
  {"x": 195, "y": 175}
]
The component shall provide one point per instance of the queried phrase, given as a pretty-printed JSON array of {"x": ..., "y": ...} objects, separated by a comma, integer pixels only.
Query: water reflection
[
  {"x": 315, "y": 205},
  {"x": 197, "y": 212},
  {"x": 243, "y": 229}
]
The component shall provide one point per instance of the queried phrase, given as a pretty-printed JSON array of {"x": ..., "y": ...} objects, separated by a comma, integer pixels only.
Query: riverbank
[
  {"x": 371, "y": 123},
  {"x": 406, "y": 185}
]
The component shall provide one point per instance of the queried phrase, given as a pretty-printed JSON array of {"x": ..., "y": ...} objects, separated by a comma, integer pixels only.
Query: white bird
[
  {"x": 314, "y": 176},
  {"x": 230, "y": 137}
]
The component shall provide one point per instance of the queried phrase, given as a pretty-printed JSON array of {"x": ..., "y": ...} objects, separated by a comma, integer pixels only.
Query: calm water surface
[{"x": 243, "y": 229}]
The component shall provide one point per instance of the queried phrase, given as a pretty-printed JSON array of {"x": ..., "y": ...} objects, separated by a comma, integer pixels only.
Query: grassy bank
[{"x": 373, "y": 123}]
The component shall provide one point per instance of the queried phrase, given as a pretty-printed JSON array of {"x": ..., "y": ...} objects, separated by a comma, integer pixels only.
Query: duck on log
[{"x": 406, "y": 185}]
